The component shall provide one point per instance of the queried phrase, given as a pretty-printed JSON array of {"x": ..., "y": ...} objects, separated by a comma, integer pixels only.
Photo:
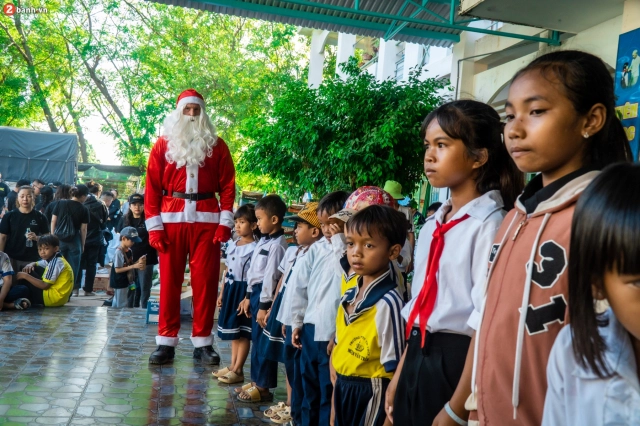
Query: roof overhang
[
  {"x": 569, "y": 16},
  {"x": 427, "y": 22}
]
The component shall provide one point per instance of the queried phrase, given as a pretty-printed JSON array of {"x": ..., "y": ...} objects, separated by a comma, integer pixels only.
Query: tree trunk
[{"x": 76, "y": 123}]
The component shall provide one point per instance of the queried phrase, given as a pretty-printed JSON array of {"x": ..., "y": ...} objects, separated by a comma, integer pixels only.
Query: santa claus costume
[{"x": 188, "y": 164}]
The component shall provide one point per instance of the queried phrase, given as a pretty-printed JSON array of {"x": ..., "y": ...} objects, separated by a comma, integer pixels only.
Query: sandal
[
  {"x": 283, "y": 416},
  {"x": 231, "y": 377},
  {"x": 22, "y": 303},
  {"x": 274, "y": 409},
  {"x": 242, "y": 389},
  {"x": 220, "y": 372},
  {"x": 255, "y": 396}
]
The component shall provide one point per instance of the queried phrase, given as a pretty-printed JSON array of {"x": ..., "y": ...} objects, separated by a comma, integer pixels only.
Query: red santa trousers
[{"x": 196, "y": 241}]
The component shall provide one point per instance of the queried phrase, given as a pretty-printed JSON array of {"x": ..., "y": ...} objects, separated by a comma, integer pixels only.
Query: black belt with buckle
[{"x": 190, "y": 196}]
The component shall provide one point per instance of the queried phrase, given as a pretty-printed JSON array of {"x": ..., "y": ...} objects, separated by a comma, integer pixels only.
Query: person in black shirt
[
  {"x": 135, "y": 218},
  {"x": 73, "y": 247},
  {"x": 4, "y": 192},
  {"x": 62, "y": 193},
  {"x": 46, "y": 198},
  {"x": 114, "y": 211},
  {"x": 13, "y": 195},
  {"x": 95, "y": 238},
  {"x": 37, "y": 185},
  {"x": 22, "y": 246}
]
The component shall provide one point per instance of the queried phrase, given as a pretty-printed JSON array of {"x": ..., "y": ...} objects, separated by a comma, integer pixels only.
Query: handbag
[{"x": 65, "y": 229}]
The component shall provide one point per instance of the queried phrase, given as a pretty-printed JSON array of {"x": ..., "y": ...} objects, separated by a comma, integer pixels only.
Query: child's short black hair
[
  {"x": 246, "y": 212},
  {"x": 434, "y": 207},
  {"x": 48, "y": 240},
  {"x": 22, "y": 182},
  {"x": 381, "y": 220},
  {"x": 604, "y": 238},
  {"x": 333, "y": 202},
  {"x": 273, "y": 206}
]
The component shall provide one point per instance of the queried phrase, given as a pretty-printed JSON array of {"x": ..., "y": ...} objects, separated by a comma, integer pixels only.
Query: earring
[{"x": 586, "y": 135}]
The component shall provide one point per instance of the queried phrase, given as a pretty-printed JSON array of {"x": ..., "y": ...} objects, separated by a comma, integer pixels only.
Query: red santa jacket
[{"x": 216, "y": 175}]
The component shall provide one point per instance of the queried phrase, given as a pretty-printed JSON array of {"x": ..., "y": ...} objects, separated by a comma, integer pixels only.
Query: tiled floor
[{"x": 89, "y": 365}]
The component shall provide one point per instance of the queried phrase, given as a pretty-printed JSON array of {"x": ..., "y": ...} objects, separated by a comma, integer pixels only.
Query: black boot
[
  {"x": 207, "y": 355},
  {"x": 162, "y": 355}
]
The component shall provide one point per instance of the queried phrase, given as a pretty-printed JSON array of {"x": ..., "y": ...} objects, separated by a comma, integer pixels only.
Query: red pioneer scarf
[{"x": 427, "y": 297}]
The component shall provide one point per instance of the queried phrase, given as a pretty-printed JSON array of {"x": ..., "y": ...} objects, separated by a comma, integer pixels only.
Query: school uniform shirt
[
  {"x": 5, "y": 267},
  {"x": 405, "y": 252},
  {"x": 238, "y": 260},
  {"x": 526, "y": 302},
  {"x": 348, "y": 281},
  {"x": 369, "y": 341},
  {"x": 463, "y": 265},
  {"x": 14, "y": 225},
  {"x": 577, "y": 396},
  {"x": 291, "y": 257},
  {"x": 57, "y": 273},
  {"x": 265, "y": 260},
  {"x": 316, "y": 296}
]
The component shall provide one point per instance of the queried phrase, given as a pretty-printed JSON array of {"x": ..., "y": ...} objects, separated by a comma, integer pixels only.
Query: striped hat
[{"x": 308, "y": 214}]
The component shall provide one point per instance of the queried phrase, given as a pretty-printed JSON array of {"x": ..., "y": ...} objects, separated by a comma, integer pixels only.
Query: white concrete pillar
[
  {"x": 346, "y": 48},
  {"x": 316, "y": 58},
  {"x": 462, "y": 72},
  {"x": 387, "y": 58},
  {"x": 630, "y": 16},
  {"x": 412, "y": 58}
]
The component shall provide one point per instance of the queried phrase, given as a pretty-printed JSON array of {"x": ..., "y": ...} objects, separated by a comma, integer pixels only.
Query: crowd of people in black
[{"x": 87, "y": 221}]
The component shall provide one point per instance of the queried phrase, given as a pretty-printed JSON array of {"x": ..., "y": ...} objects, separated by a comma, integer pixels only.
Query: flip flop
[
  {"x": 220, "y": 372},
  {"x": 18, "y": 303},
  {"x": 242, "y": 389},
  {"x": 231, "y": 377},
  {"x": 274, "y": 409},
  {"x": 255, "y": 396},
  {"x": 282, "y": 417}
]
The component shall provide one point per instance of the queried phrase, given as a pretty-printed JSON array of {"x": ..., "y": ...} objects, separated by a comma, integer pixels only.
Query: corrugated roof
[{"x": 366, "y": 21}]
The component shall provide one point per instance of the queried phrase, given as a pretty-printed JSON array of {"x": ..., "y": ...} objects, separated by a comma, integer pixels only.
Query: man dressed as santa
[{"x": 188, "y": 164}]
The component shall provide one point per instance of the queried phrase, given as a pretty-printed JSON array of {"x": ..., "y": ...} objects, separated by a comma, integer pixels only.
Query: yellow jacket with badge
[{"x": 369, "y": 341}]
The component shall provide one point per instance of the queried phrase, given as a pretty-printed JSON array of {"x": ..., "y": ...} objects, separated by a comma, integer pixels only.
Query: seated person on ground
[
  {"x": 6, "y": 273},
  {"x": 47, "y": 282}
]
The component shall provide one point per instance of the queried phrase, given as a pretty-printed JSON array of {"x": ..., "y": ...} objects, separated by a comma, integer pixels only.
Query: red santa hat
[{"x": 190, "y": 96}]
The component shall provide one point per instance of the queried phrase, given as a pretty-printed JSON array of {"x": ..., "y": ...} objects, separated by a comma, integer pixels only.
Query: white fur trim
[
  {"x": 167, "y": 341},
  {"x": 190, "y": 100},
  {"x": 190, "y": 217},
  {"x": 226, "y": 219},
  {"x": 154, "y": 223},
  {"x": 199, "y": 341}
]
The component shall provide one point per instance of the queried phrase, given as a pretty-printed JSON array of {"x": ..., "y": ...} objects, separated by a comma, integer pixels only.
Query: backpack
[{"x": 65, "y": 229}]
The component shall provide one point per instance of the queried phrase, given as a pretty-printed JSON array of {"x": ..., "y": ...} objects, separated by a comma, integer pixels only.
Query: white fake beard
[{"x": 190, "y": 139}]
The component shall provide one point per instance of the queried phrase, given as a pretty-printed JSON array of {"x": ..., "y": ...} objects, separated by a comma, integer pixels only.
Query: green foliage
[
  {"x": 343, "y": 135},
  {"x": 126, "y": 61}
]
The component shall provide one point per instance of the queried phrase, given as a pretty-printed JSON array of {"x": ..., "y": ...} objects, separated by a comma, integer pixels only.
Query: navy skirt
[
  {"x": 272, "y": 342},
  {"x": 232, "y": 326}
]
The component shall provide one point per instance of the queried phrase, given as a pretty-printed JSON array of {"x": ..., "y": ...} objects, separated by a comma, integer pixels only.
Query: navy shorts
[{"x": 359, "y": 401}]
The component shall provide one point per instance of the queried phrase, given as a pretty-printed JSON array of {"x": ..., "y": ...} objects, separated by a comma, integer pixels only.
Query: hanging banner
[{"x": 627, "y": 86}]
